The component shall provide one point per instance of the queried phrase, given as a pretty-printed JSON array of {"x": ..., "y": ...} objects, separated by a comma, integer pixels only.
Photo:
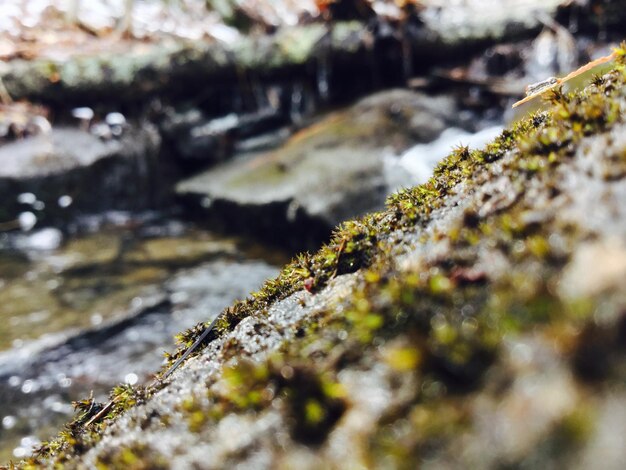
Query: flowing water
[{"x": 83, "y": 314}]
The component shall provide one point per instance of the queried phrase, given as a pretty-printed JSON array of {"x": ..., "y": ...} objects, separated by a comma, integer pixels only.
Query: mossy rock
[
  {"x": 478, "y": 322},
  {"x": 328, "y": 172}
]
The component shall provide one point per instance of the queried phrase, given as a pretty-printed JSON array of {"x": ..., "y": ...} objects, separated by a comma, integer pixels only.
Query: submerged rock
[
  {"x": 70, "y": 171},
  {"x": 326, "y": 173},
  {"x": 449, "y": 330}
]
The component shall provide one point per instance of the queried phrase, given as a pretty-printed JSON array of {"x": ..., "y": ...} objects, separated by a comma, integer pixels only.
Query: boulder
[
  {"x": 66, "y": 172},
  {"x": 324, "y": 174},
  {"x": 170, "y": 68}
]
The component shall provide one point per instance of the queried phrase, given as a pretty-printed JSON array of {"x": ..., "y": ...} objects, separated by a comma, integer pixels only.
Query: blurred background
[{"x": 161, "y": 158}]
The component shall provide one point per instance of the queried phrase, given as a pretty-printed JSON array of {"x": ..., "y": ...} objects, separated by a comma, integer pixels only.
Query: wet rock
[
  {"x": 69, "y": 172},
  {"x": 323, "y": 175},
  {"x": 20, "y": 119},
  {"x": 459, "y": 345},
  {"x": 501, "y": 59},
  {"x": 173, "y": 68},
  {"x": 198, "y": 141},
  {"x": 439, "y": 29}
]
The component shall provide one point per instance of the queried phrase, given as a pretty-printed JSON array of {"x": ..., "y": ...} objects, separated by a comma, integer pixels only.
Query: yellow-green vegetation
[
  {"x": 133, "y": 457},
  {"x": 440, "y": 319},
  {"x": 74, "y": 439}
]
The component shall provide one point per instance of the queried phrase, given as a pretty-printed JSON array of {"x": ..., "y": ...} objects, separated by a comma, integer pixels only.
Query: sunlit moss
[
  {"x": 455, "y": 316},
  {"x": 133, "y": 456}
]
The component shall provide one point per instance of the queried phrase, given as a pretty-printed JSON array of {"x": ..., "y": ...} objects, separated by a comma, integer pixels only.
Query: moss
[
  {"x": 133, "y": 456},
  {"x": 453, "y": 316},
  {"x": 404, "y": 359},
  {"x": 297, "y": 46},
  {"x": 77, "y": 437},
  {"x": 459, "y": 349},
  {"x": 575, "y": 428},
  {"x": 313, "y": 399},
  {"x": 199, "y": 415},
  {"x": 417, "y": 433}
]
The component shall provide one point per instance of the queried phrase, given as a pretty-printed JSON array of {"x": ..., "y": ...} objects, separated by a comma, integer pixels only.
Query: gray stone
[
  {"x": 324, "y": 174},
  {"x": 112, "y": 174}
]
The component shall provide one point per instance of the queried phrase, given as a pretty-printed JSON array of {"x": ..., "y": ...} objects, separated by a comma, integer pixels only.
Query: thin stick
[
  {"x": 560, "y": 81},
  {"x": 190, "y": 349},
  {"x": 589, "y": 66},
  {"x": 98, "y": 416}
]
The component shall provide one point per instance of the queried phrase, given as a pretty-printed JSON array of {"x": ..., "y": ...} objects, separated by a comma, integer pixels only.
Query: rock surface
[
  {"x": 478, "y": 322},
  {"x": 326, "y": 173},
  {"x": 199, "y": 141},
  {"x": 68, "y": 172}
]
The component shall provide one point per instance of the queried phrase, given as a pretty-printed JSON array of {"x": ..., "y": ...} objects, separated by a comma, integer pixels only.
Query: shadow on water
[{"x": 100, "y": 308}]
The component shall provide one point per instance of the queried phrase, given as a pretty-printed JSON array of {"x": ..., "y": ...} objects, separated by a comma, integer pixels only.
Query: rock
[
  {"x": 437, "y": 334},
  {"x": 198, "y": 141},
  {"x": 323, "y": 175},
  {"x": 479, "y": 20},
  {"x": 96, "y": 175},
  {"x": 171, "y": 68}
]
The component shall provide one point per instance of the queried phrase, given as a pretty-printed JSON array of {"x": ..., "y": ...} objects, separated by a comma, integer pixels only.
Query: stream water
[{"x": 100, "y": 308}]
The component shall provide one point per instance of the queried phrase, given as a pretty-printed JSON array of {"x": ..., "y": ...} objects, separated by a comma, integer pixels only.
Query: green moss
[
  {"x": 417, "y": 433},
  {"x": 297, "y": 46},
  {"x": 197, "y": 414},
  {"x": 575, "y": 428},
  {"x": 455, "y": 316},
  {"x": 77, "y": 437},
  {"x": 312, "y": 398},
  {"x": 133, "y": 456}
]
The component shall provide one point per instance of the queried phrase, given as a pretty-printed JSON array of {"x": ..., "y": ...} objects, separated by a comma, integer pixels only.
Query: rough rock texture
[
  {"x": 329, "y": 172},
  {"x": 478, "y": 322},
  {"x": 444, "y": 28},
  {"x": 97, "y": 175}
]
